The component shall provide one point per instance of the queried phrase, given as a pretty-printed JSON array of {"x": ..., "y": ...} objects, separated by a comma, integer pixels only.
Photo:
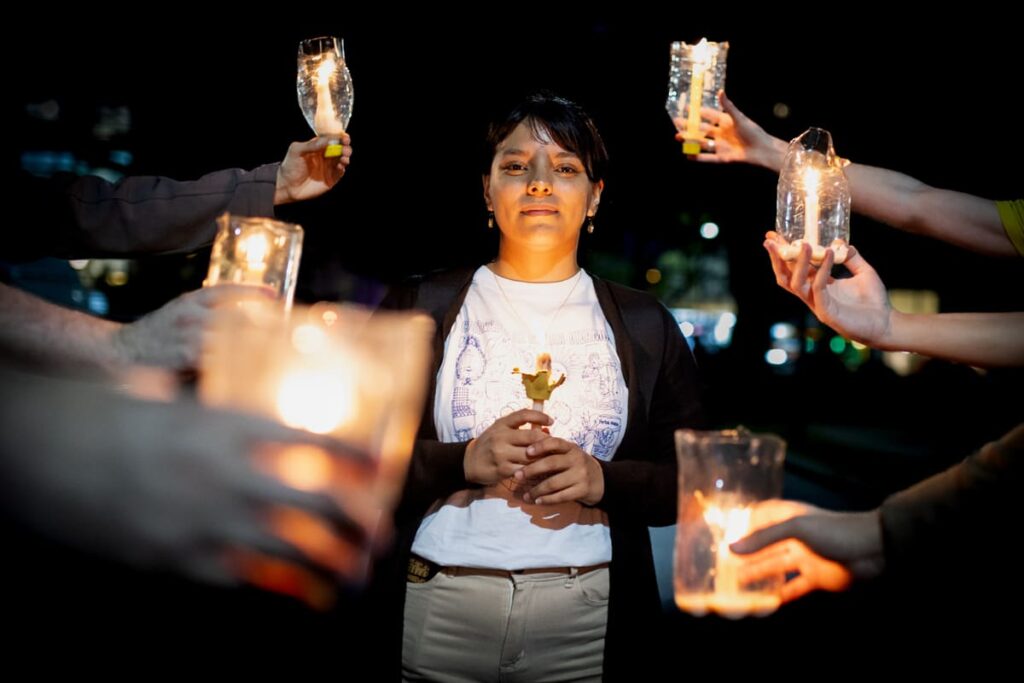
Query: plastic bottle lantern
[{"x": 813, "y": 204}]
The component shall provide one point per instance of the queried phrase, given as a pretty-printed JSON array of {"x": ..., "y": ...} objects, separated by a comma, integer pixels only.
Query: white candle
[
  {"x": 325, "y": 121},
  {"x": 812, "y": 204}
]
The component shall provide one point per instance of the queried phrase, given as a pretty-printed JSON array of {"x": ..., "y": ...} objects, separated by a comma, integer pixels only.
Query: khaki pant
[{"x": 507, "y": 627}]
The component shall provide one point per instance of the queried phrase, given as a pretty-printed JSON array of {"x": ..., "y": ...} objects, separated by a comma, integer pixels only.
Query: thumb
[{"x": 763, "y": 538}]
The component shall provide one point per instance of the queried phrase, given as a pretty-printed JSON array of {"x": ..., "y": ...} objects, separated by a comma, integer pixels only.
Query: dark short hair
[{"x": 563, "y": 120}]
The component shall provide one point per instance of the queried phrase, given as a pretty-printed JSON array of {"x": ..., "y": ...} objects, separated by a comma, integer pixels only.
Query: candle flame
[
  {"x": 254, "y": 249},
  {"x": 701, "y": 52},
  {"x": 732, "y": 522},
  {"x": 316, "y": 400}
]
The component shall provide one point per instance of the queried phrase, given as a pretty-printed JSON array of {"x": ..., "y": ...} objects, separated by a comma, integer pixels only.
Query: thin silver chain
[{"x": 544, "y": 332}]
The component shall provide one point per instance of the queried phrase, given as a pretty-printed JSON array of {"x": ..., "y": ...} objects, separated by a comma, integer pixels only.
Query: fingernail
[
  {"x": 539, "y": 501},
  {"x": 526, "y": 497},
  {"x": 518, "y": 475},
  {"x": 530, "y": 451}
]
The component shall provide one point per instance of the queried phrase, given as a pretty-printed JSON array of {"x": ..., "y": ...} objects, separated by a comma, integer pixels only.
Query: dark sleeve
[
  {"x": 646, "y": 489},
  {"x": 435, "y": 468},
  {"x": 972, "y": 502},
  {"x": 86, "y": 216}
]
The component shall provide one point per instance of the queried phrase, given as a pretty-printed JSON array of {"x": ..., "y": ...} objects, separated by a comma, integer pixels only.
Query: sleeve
[
  {"x": 435, "y": 468},
  {"x": 87, "y": 216},
  {"x": 647, "y": 489},
  {"x": 973, "y": 501},
  {"x": 1011, "y": 214}
]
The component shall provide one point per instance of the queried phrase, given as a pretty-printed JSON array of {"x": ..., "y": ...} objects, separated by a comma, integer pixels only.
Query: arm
[
  {"x": 858, "y": 307},
  {"x": 43, "y": 333},
  {"x": 973, "y": 502},
  {"x": 91, "y": 468},
  {"x": 887, "y": 196},
  {"x": 970, "y": 503},
  {"x": 148, "y": 214}
]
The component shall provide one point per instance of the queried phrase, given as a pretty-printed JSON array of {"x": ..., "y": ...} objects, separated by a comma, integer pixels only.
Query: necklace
[{"x": 522, "y": 321}]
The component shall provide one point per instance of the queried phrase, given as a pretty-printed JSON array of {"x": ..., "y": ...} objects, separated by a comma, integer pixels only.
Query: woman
[{"x": 525, "y": 555}]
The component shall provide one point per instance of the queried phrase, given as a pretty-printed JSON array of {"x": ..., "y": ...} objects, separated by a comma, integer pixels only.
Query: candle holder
[
  {"x": 696, "y": 74},
  {"x": 328, "y": 369},
  {"x": 256, "y": 251},
  {"x": 723, "y": 476},
  {"x": 324, "y": 86},
  {"x": 813, "y": 204}
]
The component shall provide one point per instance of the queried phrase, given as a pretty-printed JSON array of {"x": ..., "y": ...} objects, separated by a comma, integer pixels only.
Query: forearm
[
  {"x": 770, "y": 154},
  {"x": 156, "y": 215},
  {"x": 984, "y": 339},
  {"x": 968, "y": 502},
  {"x": 908, "y": 204},
  {"x": 39, "y": 332},
  {"x": 436, "y": 471}
]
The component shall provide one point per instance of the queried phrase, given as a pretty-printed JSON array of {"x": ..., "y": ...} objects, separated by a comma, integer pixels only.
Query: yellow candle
[{"x": 693, "y": 136}]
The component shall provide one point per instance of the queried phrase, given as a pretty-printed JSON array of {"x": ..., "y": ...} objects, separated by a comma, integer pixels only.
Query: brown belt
[{"x": 422, "y": 570}]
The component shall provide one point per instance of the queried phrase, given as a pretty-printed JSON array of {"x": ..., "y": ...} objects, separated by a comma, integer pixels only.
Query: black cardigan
[{"x": 640, "y": 482}]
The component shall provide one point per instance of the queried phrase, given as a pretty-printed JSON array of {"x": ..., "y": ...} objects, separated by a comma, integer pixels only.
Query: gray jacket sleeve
[
  {"x": 88, "y": 216},
  {"x": 975, "y": 499}
]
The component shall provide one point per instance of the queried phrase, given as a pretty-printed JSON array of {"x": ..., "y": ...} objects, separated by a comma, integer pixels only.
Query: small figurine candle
[{"x": 538, "y": 385}]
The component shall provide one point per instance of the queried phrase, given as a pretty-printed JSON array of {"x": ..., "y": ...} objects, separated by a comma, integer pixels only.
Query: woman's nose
[{"x": 538, "y": 188}]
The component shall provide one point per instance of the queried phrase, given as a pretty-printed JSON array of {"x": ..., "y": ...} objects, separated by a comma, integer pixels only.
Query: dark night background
[{"x": 933, "y": 102}]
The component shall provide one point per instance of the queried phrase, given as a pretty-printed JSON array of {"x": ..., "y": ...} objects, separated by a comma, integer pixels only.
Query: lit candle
[
  {"x": 728, "y": 525},
  {"x": 318, "y": 397},
  {"x": 252, "y": 250},
  {"x": 812, "y": 203},
  {"x": 326, "y": 118},
  {"x": 693, "y": 136}
]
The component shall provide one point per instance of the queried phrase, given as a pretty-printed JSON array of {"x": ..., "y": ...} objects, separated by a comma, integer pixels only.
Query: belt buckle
[{"x": 420, "y": 570}]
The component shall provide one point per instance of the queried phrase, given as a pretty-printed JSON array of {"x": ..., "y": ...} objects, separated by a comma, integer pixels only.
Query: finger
[
  {"x": 824, "y": 274},
  {"x": 267, "y": 573},
  {"x": 549, "y": 445},
  {"x": 558, "y": 481},
  {"x": 727, "y": 105},
  {"x": 766, "y": 537},
  {"x": 798, "y": 283},
  {"x": 510, "y": 460},
  {"x": 323, "y": 547},
  {"x": 316, "y": 144},
  {"x": 525, "y": 437},
  {"x": 779, "y": 266},
  {"x": 796, "y": 588},
  {"x": 524, "y": 416},
  {"x": 855, "y": 263},
  {"x": 220, "y": 294},
  {"x": 268, "y": 543},
  {"x": 711, "y": 114},
  {"x": 545, "y": 467},
  {"x": 566, "y": 495}
]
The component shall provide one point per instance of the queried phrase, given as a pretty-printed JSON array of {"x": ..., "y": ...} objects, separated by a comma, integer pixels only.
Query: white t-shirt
[{"x": 504, "y": 324}]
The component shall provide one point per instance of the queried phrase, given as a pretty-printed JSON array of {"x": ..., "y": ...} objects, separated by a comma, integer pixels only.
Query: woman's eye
[
  {"x": 571, "y": 170},
  {"x": 515, "y": 166}
]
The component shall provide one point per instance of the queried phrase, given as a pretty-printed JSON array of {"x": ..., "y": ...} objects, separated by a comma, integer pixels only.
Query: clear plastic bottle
[
  {"x": 699, "y": 67},
  {"x": 813, "y": 203},
  {"x": 324, "y": 86}
]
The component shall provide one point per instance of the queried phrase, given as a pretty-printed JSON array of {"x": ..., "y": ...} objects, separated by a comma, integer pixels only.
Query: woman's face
[{"x": 539, "y": 192}]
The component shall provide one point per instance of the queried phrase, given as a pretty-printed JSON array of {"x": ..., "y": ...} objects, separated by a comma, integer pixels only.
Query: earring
[
  {"x": 590, "y": 226},
  {"x": 490, "y": 220}
]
